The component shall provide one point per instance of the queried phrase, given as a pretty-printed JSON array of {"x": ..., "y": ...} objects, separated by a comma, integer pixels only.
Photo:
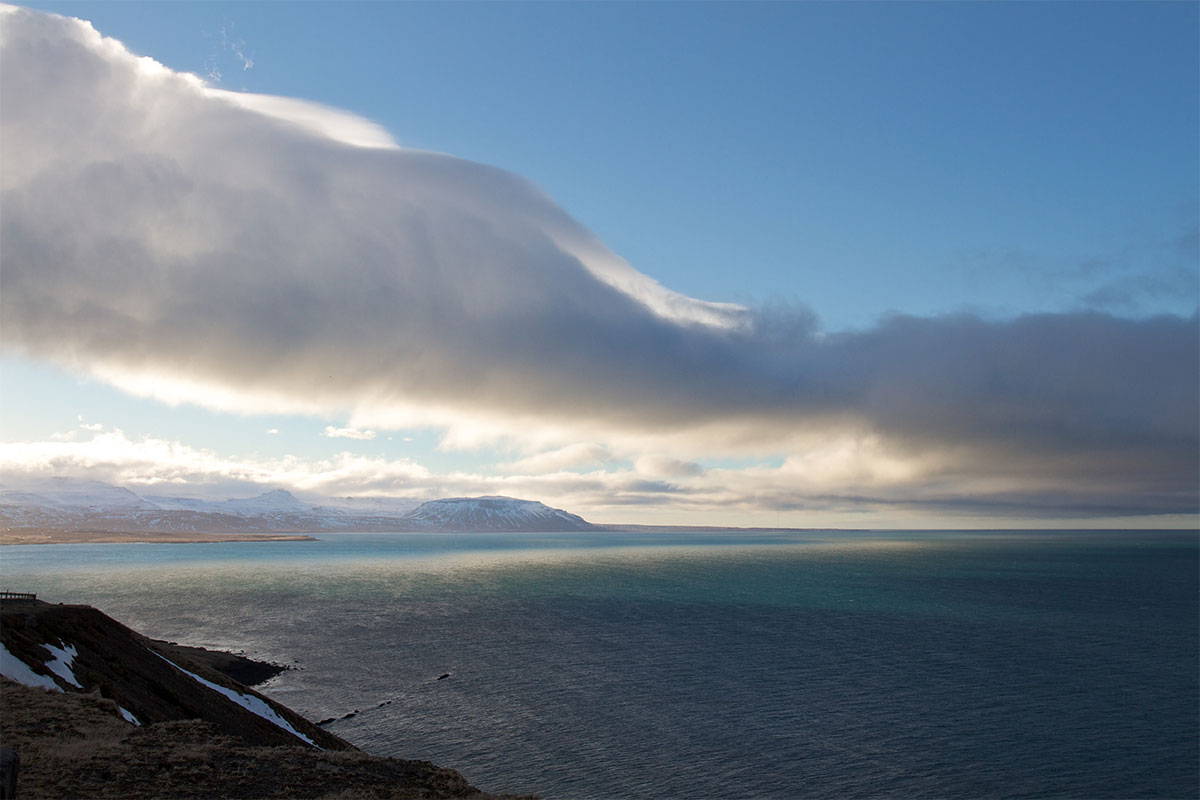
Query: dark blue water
[{"x": 708, "y": 665}]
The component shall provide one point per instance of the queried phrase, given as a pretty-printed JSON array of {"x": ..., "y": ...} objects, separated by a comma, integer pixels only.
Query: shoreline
[
  {"x": 49, "y": 536},
  {"x": 243, "y": 669}
]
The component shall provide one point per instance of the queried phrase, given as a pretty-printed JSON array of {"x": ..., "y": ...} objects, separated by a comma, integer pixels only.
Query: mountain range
[{"x": 71, "y": 504}]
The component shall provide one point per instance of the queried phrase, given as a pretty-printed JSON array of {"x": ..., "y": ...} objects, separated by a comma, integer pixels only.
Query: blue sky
[
  {"x": 844, "y": 161},
  {"x": 857, "y": 158}
]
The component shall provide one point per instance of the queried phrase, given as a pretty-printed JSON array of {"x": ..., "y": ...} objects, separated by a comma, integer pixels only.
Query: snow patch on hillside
[
  {"x": 17, "y": 670},
  {"x": 255, "y": 705},
  {"x": 64, "y": 657}
]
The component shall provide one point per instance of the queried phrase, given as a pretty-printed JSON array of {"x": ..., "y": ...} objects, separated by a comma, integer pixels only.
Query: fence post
[{"x": 9, "y": 762}]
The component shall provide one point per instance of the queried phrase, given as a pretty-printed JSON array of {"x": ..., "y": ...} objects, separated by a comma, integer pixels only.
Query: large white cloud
[
  {"x": 255, "y": 253},
  {"x": 854, "y": 483},
  {"x": 166, "y": 465}
]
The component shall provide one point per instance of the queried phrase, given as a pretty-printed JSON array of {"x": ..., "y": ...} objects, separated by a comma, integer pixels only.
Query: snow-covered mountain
[
  {"x": 493, "y": 513},
  {"x": 275, "y": 501},
  {"x": 66, "y": 504},
  {"x": 374, "y": 506},
  {"x": 65, "y": 493}
]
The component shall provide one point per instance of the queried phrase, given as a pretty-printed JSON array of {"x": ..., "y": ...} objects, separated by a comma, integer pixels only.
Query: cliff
[{"x": 98, "y": 710}]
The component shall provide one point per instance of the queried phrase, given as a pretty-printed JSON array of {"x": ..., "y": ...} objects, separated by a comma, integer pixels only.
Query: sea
[{"x": 787, "y": 664}]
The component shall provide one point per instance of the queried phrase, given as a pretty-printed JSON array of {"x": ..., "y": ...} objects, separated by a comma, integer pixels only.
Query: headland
[{"x": 94, "y": 709}]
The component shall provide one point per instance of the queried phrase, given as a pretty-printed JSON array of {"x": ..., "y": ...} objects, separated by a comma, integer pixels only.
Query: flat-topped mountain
[
  {"x": 493, "y": 513},
  {"x": 62, "y": 504}
]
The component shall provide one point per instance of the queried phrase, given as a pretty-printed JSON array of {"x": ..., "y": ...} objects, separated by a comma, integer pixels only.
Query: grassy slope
[
  {"x": 75, "y": 746},
  {"x": 121, "y": 664},
  {"x": 195, "y": 743}
]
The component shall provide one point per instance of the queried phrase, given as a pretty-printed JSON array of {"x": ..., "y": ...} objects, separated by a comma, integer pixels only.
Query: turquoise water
[{"x": 705, "y": 664}]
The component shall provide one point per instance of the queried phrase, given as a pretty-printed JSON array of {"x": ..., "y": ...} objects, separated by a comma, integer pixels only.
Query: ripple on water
[{"x": 816, "y": 665}]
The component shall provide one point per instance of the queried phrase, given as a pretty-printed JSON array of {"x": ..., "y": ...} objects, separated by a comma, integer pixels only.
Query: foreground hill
[
  {"x": 97, "y": 710},
  {"x": 63, "y": 504},
  {"x": 66, "y": 648}
]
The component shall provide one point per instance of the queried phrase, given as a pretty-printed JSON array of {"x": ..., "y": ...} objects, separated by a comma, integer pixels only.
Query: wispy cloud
[
  {"x": 347, "y": 433},
  {"x": 268, "y": 254},
  {"x": 1130, "y": 279},
  {"x": 226, "y": 44},
  {"x": 572, "y": 456}
]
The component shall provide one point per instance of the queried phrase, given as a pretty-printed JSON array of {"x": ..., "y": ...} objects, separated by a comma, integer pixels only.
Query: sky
[{"x": 795, "y": 264}]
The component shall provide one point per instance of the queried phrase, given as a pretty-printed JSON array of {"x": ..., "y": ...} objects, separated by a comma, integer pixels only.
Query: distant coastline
[
  {"x": 632, "y": 528},
  {"x": 20, "y": 536},
  {"x": 23, "y": 536},
  {"x": 49, "y": 536}
]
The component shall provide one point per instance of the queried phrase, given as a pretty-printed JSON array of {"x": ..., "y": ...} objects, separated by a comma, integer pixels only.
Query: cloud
[
  {"x": 331, "y": 123},
  {"x": 564, "y": 458},
  {"x": 236, "y": 46},
  {"x": 347, "y": 433},
  {"x": 854, "y": 480},
  {"x": 1132, "y": 279},
  {"x": 115, "y": 457},
  {"x": 266, "y": 254},
  {"x": 227, "y": 45},
  {"x": 1129, "y": 292},
  {"x": 666, "y": 466}
]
